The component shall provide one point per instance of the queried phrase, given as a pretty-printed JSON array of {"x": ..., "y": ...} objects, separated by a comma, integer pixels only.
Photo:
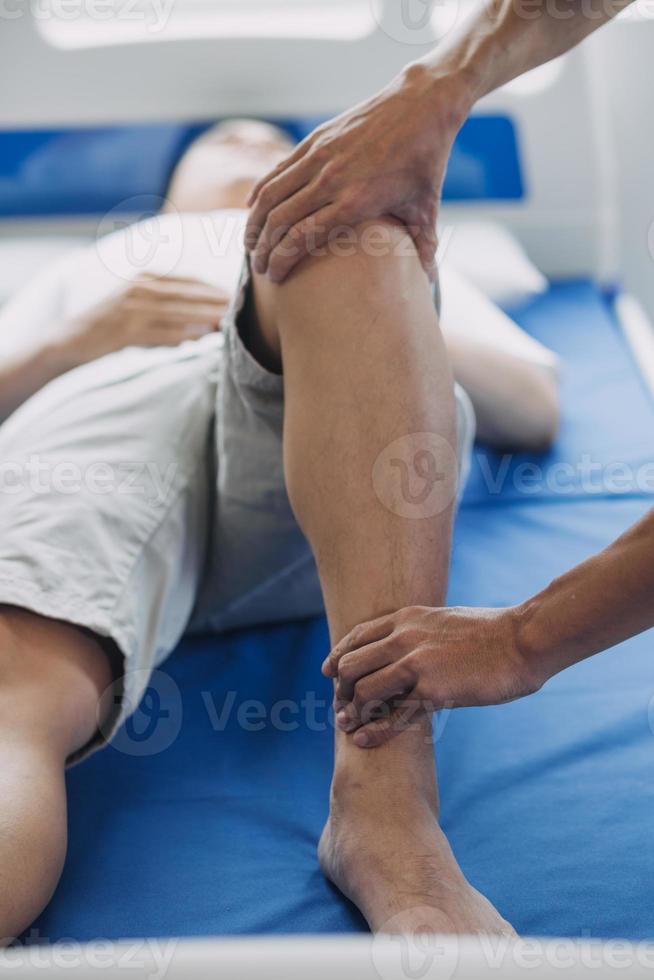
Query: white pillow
[
  {"x": 491, "y": 258},
  {"x": 467, "y": 312}
]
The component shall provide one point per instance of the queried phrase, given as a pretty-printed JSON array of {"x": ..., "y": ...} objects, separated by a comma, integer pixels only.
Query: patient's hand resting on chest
[{"x": 147, "y": 312}]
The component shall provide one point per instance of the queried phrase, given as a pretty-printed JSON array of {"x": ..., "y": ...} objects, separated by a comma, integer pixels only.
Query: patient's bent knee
[
  {"x": 52, "y": 677},
  {"x": 379, "y": 238},
  {"x": 374, "y": 259},
  {"x": 376, "y": 246}
]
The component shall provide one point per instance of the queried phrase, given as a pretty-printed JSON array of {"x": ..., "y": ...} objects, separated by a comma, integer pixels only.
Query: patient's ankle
[{"x": 394, "y": 780}]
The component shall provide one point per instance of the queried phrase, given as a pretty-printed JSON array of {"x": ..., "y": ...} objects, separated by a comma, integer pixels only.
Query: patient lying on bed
[{"x": 160, "y": 476}]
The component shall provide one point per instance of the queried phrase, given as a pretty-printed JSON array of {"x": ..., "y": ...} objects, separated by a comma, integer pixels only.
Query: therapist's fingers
[
  {"x": 275, "y": 192},
  {"x": 284, "y": 217},
  {"x": 283, "y": 165},
  {"x": 311, "y": 236},
  {"x": 383, "y": 729},
  {"x": 419, "y": 219},
  {"x": 373, "y": 691},
  {"x": 357, "y": 664},
  {"x": 426, "y": 243},
  {"x": 361, "y": 635}
]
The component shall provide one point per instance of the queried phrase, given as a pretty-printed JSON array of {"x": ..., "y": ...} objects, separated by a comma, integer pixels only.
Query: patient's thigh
[
  {"x": 261, "y": 568},
  {"x": 105, "y": 493}
]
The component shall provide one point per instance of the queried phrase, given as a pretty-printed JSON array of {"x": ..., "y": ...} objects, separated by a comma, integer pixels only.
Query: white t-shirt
[{"x": 205, "y": 247}]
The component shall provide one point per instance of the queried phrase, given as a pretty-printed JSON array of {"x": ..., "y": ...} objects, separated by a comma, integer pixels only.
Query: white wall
[
  {"x": 624, "y": 64},
  {"x": 587, "y": 138}
]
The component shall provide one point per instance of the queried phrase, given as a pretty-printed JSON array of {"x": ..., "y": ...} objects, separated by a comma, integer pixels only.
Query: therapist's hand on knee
[
  {"x": 386, "y": 156},
  {"x": 425, "y": 659}
]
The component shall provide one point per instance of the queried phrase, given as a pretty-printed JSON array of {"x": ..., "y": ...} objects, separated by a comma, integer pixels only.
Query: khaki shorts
[{"x": 142, "y": 497}]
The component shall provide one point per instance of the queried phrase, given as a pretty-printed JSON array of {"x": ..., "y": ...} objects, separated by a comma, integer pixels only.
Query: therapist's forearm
[
  {"x": 388, "y": 155},
  {"x": 505, "y": 38},
  {"x": 601, "y": 602},
  {"x": 458, "y": 657}
]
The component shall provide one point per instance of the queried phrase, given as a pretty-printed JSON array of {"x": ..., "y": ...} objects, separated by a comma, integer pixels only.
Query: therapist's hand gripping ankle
[{"x": 421, "y": 658}]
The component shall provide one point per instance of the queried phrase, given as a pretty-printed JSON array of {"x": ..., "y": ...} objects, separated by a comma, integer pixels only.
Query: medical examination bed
[
  {"x": 548, "y": 802},
  {"x": 202, "y": 822}
]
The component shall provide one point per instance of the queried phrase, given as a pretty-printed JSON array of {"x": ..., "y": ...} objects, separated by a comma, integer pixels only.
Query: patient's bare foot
[{"x": 396, "y": 865}]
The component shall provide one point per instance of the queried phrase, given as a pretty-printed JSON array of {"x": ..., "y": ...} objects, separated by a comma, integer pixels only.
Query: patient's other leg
[
  {"x": 364, "y": 364},
  {"x": 51, "y": 680}
]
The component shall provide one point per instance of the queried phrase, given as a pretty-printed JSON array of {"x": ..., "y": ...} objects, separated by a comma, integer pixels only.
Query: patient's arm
[
  {"x": 516, "y": 401},
  {"x": 22, "y": 377},
  {"x": 39, "y": 343},
  {"x": 29, "y": 357}
]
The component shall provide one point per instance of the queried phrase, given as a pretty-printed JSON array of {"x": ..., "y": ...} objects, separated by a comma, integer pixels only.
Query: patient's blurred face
[{"x": 221, "y": 167}]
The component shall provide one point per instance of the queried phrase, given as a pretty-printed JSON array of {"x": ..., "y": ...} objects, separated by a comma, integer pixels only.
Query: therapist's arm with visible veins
[
  {"x": 387, "y": 156},
  {"x": 461, "y": 657}
]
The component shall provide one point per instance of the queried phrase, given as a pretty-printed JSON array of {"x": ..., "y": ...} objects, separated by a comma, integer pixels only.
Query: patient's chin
[
  {"x": 233, "y": 195},
  {"x": 192, "y": 200}
]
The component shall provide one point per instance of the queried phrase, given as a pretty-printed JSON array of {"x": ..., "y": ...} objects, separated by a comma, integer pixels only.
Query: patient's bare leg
[
  {"x": 364, "y": 365},
  {"x": 51, "y": 680}
]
